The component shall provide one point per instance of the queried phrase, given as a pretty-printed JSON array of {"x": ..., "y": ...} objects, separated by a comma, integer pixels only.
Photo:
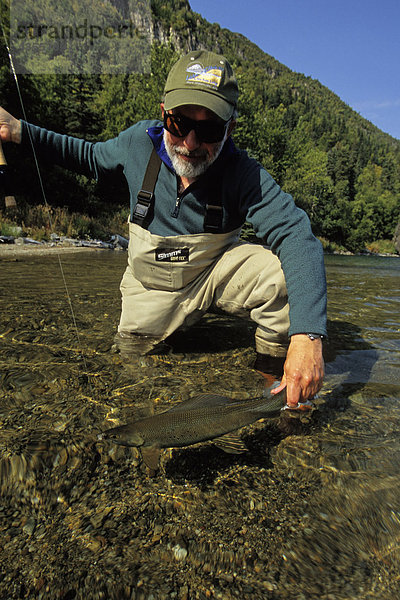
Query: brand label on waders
[{"x": 168, "y": 255}]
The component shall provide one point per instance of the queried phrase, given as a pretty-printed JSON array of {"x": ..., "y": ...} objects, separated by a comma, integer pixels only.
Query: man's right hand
[{"x": 10, "y": 127}]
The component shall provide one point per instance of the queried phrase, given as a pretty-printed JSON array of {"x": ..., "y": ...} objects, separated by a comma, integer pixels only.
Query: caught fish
[{"x": 199, "y": 419}]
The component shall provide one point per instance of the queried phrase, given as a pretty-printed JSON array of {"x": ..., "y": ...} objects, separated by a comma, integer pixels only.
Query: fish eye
[{"x": 107, "y": 436}]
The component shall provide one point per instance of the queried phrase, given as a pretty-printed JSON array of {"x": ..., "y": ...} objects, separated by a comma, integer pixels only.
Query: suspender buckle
[
  {"x": 144, "y": 200},
  {"x": 145, "y": 197},
  {"x": 213, "y": 219}
]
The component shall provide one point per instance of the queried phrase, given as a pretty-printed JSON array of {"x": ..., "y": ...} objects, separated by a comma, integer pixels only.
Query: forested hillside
[{"x": 339, "y": 167}]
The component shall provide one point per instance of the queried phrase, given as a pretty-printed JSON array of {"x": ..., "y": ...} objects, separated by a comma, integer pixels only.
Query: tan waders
[{"x": 170, "y": 282}]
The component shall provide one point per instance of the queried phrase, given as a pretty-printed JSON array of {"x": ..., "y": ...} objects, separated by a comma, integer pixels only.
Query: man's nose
[{"x": 191, "y": 141}]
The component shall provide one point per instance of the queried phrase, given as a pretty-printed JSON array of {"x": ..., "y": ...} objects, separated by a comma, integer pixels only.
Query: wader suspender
[
  {"x": 213, "y": 216},
  {"x": 146, "y": 194},
  {"x": 145, "y": 197}
]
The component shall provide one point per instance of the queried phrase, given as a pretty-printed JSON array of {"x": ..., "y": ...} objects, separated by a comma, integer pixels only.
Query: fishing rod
[{"x": 11, "y": 200}]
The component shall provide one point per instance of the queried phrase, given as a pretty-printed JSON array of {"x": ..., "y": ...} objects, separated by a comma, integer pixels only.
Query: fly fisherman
[{"x": 191, "y": 190}]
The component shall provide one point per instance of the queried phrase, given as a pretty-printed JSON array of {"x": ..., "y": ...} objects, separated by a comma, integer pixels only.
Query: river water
[{"x": 312, "y": 511}]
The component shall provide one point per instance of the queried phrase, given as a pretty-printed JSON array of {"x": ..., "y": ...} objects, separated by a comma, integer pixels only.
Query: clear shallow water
[
  {"x": 331, "y": 483},
  {"x": 364, "y": 294}
]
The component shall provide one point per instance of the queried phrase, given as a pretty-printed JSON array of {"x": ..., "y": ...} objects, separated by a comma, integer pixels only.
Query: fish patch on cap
[
  {"x": 204, "y": 79},
  {"x": 198, "y": 74}
]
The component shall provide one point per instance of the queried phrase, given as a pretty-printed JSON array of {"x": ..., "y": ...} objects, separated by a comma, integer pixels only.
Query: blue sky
[{"x": 350, "y": 46}]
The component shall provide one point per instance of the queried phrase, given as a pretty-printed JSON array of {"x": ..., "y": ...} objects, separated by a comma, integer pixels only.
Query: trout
[{"x": 201, "y": 418}]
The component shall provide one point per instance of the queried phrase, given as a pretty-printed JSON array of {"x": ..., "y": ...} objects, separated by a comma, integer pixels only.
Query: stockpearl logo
[{"x": 69, "y": 37}]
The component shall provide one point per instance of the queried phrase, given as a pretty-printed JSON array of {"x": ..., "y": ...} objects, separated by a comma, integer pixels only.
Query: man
[{"x": 191, "y": 191}]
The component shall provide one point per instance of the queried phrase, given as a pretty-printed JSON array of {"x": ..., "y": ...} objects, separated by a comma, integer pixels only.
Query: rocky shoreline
[{"x": 12, "y": 247}]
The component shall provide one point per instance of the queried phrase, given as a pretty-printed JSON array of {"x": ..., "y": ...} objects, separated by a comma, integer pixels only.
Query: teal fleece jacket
[{"x": 249, "y": 193}]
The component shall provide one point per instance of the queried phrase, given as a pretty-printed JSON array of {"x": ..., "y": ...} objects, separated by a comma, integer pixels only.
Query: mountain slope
[{"x": 339, "y": 167}]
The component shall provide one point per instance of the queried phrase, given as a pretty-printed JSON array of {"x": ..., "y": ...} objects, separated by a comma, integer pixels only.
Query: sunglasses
[{"x": 207, "y": 131}]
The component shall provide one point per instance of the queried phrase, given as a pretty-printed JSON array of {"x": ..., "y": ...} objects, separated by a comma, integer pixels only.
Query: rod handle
[
  {"x": 3, "y": 161},
  {"x": 8, "y": 200}
]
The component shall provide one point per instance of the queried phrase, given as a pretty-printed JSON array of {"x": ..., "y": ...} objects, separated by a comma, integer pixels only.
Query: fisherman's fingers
[
  {"x": 303, "y": 369},
  {"x": 303, "y": 385}
]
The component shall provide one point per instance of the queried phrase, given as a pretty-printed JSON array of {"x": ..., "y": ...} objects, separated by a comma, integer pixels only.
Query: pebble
[
  {"x": 180, "y": 553},
  {"x": 29, "y": 526},
  {"x": 269, "y": 586}
]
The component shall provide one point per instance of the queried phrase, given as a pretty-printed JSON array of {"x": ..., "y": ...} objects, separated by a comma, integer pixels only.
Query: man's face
[{"x": 190, "y": 156}]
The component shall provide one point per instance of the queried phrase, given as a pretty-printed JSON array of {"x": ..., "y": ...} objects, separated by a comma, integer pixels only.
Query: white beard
[{"x": 186, "y": 169}]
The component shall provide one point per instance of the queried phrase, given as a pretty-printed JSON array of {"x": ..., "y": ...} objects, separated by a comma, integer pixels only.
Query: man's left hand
[{"x": 303, "y": 371}]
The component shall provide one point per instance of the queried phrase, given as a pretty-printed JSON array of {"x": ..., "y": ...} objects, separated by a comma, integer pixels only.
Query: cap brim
[{"x": 217, "y": 105}]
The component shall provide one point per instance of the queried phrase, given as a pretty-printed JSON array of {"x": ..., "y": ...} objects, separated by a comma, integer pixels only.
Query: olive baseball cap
[{"x": 205, "y": 79}]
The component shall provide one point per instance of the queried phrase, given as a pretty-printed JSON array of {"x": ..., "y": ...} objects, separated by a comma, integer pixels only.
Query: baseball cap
[{"x": 205, "y": 79}]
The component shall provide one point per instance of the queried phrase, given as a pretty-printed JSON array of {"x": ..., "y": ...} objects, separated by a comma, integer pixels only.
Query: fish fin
[
  {"x": 200, "y": 401},
  {"x": 151, "y": 456},
  {"x": 231, "y": 443}
]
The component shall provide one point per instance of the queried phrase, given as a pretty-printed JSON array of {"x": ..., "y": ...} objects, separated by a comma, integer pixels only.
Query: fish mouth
[
  {"x": 103, "y": 437},
  {"x": 115, "y": 438}
]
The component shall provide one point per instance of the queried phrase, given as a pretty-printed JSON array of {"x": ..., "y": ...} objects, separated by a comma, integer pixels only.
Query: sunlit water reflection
[{"x": 312, "y": 511}]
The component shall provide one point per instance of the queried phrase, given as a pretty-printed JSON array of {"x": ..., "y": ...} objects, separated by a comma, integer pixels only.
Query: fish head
[{"x": 124, "y": 435}]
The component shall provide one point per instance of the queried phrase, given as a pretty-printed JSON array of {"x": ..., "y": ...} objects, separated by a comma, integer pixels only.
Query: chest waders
[{"x": 171, "y": 281}]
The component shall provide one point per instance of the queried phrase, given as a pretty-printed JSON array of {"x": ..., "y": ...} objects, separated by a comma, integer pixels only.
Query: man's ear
[
  {"x": 231, "y": 127},
  {"x": 162, "y": 109}
]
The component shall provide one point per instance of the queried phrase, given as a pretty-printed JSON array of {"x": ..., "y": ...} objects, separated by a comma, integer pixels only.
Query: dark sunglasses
[{"x": 208, "y": 131}]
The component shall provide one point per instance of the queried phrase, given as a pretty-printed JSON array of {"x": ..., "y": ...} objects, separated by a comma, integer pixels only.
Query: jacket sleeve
[
  {"x": 75, "y": 154},
  {"x": 286, "y": 230}
]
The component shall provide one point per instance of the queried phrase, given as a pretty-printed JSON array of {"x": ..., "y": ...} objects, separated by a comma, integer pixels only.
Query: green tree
[{"x": 311, "y": 186}]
